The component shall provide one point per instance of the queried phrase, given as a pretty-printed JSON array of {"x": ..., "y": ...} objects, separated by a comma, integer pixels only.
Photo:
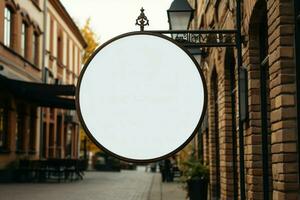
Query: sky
[{"x": 110, "y": 18}]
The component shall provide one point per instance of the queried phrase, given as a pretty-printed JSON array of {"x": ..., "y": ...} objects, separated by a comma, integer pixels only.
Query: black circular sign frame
[{"x": 90, "y": 135}]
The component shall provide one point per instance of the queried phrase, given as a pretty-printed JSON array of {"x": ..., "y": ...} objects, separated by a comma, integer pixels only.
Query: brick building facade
[
  {"x": 64, "y": 47},
  {"x": 270, "y": 129},
  {"x": 20, "y": 58},
  {"x": 22, "y": 61}
]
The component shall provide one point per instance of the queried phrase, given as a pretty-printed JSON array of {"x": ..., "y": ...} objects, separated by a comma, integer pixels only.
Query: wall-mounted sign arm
[{"x": 201, "y": 38}]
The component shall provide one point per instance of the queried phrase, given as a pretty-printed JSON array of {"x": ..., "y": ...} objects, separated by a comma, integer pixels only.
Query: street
[{"x": 124, "y": 185}]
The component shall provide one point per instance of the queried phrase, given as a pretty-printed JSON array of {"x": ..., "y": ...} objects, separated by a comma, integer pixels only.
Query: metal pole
[
  {"x": 241, "y": 128},
  {"x": 43, "y": 76}
]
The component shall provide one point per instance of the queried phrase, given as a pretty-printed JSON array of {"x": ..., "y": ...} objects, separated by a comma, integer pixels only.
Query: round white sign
[{"x": 141, "y": 97}]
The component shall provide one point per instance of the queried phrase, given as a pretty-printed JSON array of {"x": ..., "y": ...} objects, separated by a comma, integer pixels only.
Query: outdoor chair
[
  {"x": 55, "y": 168},
  {"x": 70, "y": 169}
]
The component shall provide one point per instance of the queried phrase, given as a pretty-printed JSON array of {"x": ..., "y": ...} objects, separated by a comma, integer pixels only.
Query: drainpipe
[{"x": 43, "y": 75}]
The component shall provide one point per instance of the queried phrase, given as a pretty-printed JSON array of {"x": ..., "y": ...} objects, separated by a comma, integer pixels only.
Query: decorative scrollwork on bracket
[{"x": 203, "y": 38}]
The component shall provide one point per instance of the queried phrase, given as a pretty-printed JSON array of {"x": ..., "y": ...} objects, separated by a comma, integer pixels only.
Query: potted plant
[{"x": 195, "y": 176}]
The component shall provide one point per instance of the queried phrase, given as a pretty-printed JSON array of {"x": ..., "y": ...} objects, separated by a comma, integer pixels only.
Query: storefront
[{"x": 20, "y": 129}]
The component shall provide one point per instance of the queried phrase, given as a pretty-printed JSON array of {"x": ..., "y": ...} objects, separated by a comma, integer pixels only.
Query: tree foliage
[
  {"x": 90, "y": 38},
  {"x": 92, "y": 43},
  {"x": 90, "y": 146}
]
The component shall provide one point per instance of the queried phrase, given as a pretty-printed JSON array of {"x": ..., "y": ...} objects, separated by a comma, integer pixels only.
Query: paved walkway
[
  {"x": 166, "y": 191},
  {"x": 127, "y": 185}
]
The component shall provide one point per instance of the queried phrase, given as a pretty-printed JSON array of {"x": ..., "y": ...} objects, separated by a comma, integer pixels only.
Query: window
[
  {"x": 35, "y": 47},
  {"x": 45, "y": 146},
  {"x": 20, "y": 132},
  {"x": 23, "y": 39},
  {"x": 265, "y": 102},
  {"x": 59, "y": 135},
  {"x": 3, "y": 128},
  {"x": 32, "y": 140},
  {"x": 7, "y": 26},
  {"x": 51, "y": 36},
  {"x": 51, "y": 140},
  {"x": 68, "y": 55},
  {"x": 59, "y": 49},
  {"x": 68, "y": 141}
]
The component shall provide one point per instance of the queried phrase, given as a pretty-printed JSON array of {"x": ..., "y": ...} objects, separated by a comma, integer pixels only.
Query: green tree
[{"x": 90, "y": 38}]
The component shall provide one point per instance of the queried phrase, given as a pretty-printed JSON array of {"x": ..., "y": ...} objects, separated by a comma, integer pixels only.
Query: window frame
[
  {"x": 8, "y": 26},
  {"x": 33, "y": 131},
  {"x": 24, "y": 39},
  {"x": 35, "y": 48},
  {"x": 19, "y": 131},
  {"x": 59, "y": 51}
]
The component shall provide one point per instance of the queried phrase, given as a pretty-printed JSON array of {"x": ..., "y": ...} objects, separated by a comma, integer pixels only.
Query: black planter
[{"x": 197, "y": 189}]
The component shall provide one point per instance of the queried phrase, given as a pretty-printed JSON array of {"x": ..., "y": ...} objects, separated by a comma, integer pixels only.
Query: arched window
[
  {"x": 260, "y": 110},
  {"x": 265, "y": 101},
  {"x": 8, "y": 27}
]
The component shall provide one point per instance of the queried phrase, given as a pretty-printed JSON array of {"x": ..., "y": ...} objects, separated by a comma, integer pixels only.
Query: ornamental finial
[{"x": 142, "y": 20}]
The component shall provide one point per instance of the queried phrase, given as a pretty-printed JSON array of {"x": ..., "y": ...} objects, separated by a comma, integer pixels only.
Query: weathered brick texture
[{"x": 281, "y": 98}]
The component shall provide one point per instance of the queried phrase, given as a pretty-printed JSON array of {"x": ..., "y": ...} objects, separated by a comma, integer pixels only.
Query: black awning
[{"x": 45, "y": 95}]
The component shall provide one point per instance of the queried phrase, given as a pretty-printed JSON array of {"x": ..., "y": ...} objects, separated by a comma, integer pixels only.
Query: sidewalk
[
  {"x": 166, "y": 191},
  {"x": 124, "y": 185}
]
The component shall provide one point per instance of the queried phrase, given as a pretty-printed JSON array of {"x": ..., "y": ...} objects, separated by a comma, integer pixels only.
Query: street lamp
[{"x": 180, "y": 14}]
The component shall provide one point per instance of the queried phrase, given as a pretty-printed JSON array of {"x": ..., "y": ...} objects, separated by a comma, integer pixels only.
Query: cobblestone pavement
[
  {"x": 126, "y": 185},
  {"x": 131, "y": 185},
  {"x": 166, "y": 191}
]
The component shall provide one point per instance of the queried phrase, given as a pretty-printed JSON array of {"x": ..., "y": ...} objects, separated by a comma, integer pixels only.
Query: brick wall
[
  {"x": 280, "y": 104},
  {"x": 283, "y": 104}
]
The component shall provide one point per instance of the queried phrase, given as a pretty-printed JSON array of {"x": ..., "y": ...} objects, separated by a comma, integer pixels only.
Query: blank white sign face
[{"x": 141, "y": 97}]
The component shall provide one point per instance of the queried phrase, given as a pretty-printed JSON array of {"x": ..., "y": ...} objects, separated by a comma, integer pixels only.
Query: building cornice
[{"x": 69, "y": 21}]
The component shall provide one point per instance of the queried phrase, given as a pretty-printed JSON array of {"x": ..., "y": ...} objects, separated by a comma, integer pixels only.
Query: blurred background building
[
  {"x": 65, "y": 46},
  {"x": 40, "y": 60}
]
